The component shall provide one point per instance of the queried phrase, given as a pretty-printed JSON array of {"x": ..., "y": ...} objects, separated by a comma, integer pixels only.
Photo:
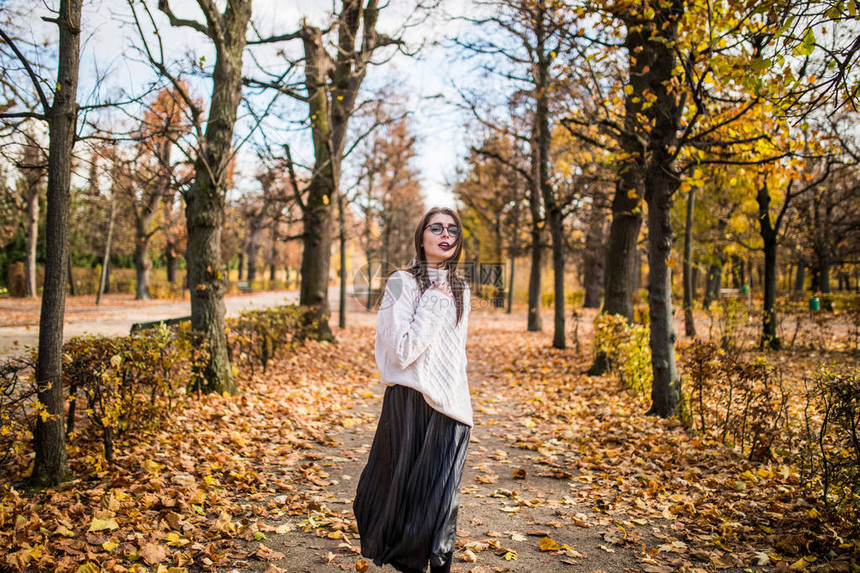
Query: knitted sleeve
[{"x": 407, "y": 328}]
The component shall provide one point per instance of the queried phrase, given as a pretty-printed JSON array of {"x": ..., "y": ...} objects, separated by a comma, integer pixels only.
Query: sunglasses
[{"x": 437, "y": 228}]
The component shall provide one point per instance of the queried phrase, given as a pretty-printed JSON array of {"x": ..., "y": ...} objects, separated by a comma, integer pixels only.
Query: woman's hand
[{"x": 442, "y": 286}]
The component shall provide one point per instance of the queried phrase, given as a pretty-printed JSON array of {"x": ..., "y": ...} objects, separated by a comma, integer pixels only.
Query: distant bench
[
  {"x": 138, "y": 326},
  {"x": 244, "y": 286}
]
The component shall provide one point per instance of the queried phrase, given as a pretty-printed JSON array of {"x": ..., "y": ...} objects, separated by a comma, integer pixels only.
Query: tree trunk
[
  {"x": 169, "y": 241},
  {"x": 557, "y": 232},
  {"x": 694, "y": 281},
  {"x": 109, "y": 267},
  {"x": 621, "y": 251},
  {"x": 500, "y": 295},
  {"x": 273, "y": 253},
  {"x": 535, "y": 323},
  {"x": 317, "y": 215},
  {"x": 369, "y": 274},
  {"x": 32, "y": 237},
  {"x": 769, "y": 339},
  {"x": 317, "y": 252},
  {"x": 800, "y": 277},
  {"x": 666, "y": 386},
  {"x": 332, "y": 86},
  {"x": 342, "y": 224},
  {"x": 689, "y": 323},
  {"x": 50, "y": 464},
  {"x": 511, "y": 286},
  {"x": 594, "y": 259},
  {"x": 142, "y": 266},
  {"x": 106, "y": 257},
  {"x": 555, "y": 217},
  {"x": 70, "y": 275},
  {"x": 712, "y": 287},
  {"x": 652, "y": 43},
  {"x": 252, "y": 252},
  {"x": 824, "y": 265},
  {"x": 170, "y": 261},
  {"x": 622, "y": 255},
  {"x": 715, "y": 271},
  {"x": 205, "y": 201}
]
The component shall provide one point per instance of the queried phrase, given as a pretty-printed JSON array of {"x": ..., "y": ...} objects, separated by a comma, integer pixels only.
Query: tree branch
[
  {"x": 24, "y": 114},
  {"x": 293, "y": 179},
  {"x": 275, "y": 39},
  {"x": 164, "y": 7},
  {"x": 46, "y": 107}
]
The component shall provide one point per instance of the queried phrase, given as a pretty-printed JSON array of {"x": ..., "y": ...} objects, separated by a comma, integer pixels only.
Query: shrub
[
  {"x": 742, "y": 401},
  {"x": 17, "y": 416},
  {"x": 258, "y": 336},
  {"x": 831, "y": 452},
  {"x": 627, "y": 350},
  {"x": 129, "y": 382},
  {"x": 732, "y": 320}
]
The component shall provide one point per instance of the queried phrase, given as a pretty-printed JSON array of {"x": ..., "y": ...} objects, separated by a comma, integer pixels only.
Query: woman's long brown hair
[{"x": 418, "y": 266}]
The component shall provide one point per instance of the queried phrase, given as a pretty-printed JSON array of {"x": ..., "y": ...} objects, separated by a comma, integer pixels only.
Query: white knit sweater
[{"x": 419, "y": 344}]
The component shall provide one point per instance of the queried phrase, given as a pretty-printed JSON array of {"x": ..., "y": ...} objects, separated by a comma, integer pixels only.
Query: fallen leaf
[{"x": 153, "y": 553}]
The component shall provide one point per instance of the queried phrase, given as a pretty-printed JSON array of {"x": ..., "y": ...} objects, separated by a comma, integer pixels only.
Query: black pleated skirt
[{"x": 409, "y": 493}]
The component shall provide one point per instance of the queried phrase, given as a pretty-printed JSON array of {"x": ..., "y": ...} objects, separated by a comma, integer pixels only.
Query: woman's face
[{"x": 438, "y": 248}]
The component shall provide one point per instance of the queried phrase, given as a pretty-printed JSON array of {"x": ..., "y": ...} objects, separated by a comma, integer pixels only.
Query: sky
[{"x": 109, "y": 51}]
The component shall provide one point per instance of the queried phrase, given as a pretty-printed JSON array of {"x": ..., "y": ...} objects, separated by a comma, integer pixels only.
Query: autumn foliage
[{"x": 761, "y": 469}]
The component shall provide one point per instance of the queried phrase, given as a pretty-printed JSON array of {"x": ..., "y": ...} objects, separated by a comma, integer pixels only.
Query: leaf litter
[{"x": 575, "y": 475}]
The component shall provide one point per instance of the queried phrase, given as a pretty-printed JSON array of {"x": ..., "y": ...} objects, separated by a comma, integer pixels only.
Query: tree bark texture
[
  {"x": 252, "y": 251},
  {"x": 594, "y": 259},
  {"x": 50, "y": 464},
  {"x": 144, "y": 213},
  {"x": 32, "y": 237},
  {"x": 205, "y": 200},
  {"x": 800, "y": 276},
  {"x": 555, "y": 217},
  {"x": 106, "y": 258},
  {"x": 622, "y": 257},
  {"x": 142, "y": 264},
  {"x": 342, "y": 226},
  {"x": 621, "y": 249},
  {"x": 689, "y": 322},
  {"x": 768, "y": 232},
  {"x": 170, "y": 242},
  {"x": 534, "y": 321},
  {"x": 331, "y": 103},
  {"x": 33, "y": 174},
  {"x": 651, "y": 41}
]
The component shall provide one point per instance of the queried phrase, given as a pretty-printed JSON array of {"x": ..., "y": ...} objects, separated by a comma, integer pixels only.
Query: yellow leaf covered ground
[{"x": 564, "y": 473}]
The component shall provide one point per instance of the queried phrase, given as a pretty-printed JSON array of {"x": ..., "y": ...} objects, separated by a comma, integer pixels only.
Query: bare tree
[
  {"x": 212, "y": 157},
  {"x": 332, "y": 81},
  {"x": 61, "y": 116},
  {"x": 32, "y": 167},
  {"x": 528, "y": 39}
]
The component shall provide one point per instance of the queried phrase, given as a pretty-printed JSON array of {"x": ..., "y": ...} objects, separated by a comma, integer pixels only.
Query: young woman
[{"x": 409, "y": 493}]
